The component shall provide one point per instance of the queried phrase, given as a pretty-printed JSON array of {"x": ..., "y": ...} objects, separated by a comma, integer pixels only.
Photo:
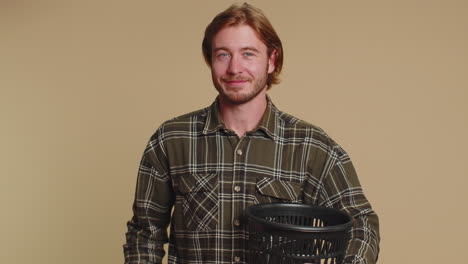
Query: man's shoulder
[
  {"x": 184, "y": 122},
  {"x": 292, "y": 122},
  {"x": 197, "y": 114},
  {"x": 297, "y": 128}
]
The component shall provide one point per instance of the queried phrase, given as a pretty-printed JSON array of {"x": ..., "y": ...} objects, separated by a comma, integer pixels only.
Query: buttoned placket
[
  {"x": 235, "y": 179},
  {"x": 239, "y": 157}
]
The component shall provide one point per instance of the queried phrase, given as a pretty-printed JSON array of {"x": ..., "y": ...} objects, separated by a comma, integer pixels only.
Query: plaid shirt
[{"x": 211, "y": 176}]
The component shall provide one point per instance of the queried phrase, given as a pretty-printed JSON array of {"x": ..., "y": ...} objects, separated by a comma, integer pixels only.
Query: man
[{"x": 210, "y": 165}]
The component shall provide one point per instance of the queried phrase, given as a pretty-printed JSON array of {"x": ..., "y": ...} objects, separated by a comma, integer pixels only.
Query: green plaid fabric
[{"x": 208, "y": 176}]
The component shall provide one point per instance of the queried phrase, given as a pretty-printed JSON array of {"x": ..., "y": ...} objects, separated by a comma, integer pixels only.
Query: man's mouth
[{"x": 235, "y": 81}]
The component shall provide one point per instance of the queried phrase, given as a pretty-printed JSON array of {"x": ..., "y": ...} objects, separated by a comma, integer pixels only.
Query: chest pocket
[
  {"x": 199, "y": 201},
  {"x": 272, "y": 191}
]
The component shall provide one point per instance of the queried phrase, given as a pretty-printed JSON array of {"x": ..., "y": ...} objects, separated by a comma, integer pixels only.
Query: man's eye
[
  {"x": 222, "y": 55},
  {"x": 248, "y": 54}
]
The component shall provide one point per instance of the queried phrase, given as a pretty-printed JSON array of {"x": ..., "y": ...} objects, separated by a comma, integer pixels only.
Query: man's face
[{"x": 240, "y": 64}]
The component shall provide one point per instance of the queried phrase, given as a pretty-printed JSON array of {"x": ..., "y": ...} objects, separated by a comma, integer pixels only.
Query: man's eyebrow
[
  {"x": 242, "y": 49},
  {"x": 220, "y": 48},
  {"x": 251, "y": 49}
]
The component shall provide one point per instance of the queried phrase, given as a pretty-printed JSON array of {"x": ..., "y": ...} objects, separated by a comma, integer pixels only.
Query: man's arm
[
  {"x": 151, "y": 209},
  {"x": 342, "y": 190}
]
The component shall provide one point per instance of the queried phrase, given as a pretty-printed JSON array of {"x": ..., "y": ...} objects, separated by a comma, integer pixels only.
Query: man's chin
[
  {"x": 237, "y": 95},
  {"x": 238, "y": 98}
]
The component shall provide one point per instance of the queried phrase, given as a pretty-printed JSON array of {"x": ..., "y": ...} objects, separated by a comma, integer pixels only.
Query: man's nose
[{"x": 235, "y": 65}]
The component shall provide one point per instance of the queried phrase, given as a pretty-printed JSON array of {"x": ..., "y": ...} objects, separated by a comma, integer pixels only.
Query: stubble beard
[{"x": 242, "y": 98}]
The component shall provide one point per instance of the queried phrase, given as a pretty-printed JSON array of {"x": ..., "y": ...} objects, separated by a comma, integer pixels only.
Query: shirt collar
[{"x": 268, "y": 124}]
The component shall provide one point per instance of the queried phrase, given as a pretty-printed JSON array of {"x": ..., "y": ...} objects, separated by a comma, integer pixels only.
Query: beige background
[{"x": 83, "y": 85}]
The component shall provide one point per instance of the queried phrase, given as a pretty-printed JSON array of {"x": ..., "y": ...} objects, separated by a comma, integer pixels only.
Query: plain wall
[{"x": 84, "y": 84}]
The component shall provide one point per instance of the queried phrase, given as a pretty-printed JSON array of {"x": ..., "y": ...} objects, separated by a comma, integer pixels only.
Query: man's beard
[{"x": 241, "y": 98}]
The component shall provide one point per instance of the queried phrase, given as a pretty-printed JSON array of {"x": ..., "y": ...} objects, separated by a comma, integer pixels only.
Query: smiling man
[
  {"x": 240, "y": 65},
  {"x": 208, "y": 166}
]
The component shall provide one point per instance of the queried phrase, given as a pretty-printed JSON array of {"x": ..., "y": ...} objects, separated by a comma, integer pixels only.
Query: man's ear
[{"x": 272, "y": 61}]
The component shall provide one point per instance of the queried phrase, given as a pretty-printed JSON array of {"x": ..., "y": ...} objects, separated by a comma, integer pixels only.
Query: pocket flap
[
  {"x": 280, "y": 189},
  {"x": 198, "y": 182}
]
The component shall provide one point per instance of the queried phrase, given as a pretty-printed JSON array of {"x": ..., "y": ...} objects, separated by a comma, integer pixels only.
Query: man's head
[{"x": 238, "y": 16}]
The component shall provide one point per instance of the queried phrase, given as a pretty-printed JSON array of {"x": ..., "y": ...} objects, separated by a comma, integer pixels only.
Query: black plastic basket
[{"x": 282, "y": 233}]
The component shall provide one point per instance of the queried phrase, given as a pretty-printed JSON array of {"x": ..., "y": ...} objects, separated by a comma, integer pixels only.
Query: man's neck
[{"x": 242, "y": 118}]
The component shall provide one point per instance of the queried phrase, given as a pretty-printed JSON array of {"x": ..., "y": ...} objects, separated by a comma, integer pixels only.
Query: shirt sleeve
[
  {"x": 154, "y": 198},
  {"x": 341, "y": 190}
]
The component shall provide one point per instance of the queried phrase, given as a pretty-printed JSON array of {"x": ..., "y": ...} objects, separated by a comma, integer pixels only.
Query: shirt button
[
  {"x": 239, "y": 152},
  {"x": 237, "y": 222},
  {"x": 237, "y": 188},
  {"x": 236, "y": 259}
]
